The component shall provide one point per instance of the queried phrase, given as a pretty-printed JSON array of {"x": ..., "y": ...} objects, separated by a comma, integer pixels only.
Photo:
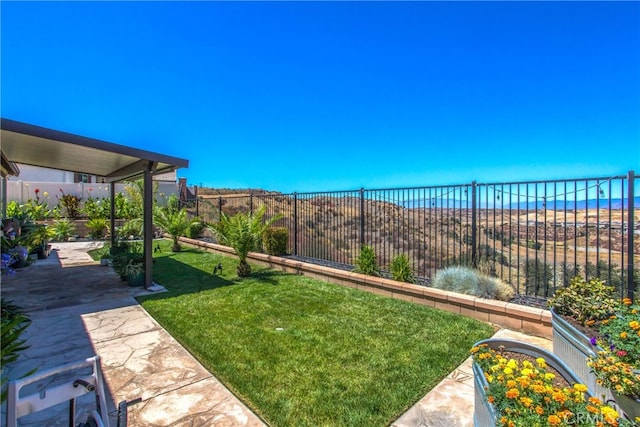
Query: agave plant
[
  {"x": 173, "y": 222},
  {"x": 242, "y": 232}
]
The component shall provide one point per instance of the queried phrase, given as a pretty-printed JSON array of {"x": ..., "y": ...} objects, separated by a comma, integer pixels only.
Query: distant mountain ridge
[{"x": 535, "y": 205}]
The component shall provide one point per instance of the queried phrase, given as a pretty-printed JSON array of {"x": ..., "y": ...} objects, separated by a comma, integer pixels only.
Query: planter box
[
  {"x": 574, "y": 347},
  {"x": 484, "y": 414}
]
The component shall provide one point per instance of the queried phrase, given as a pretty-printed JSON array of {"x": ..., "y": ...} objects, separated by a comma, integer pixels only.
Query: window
[{"x": 82, "y": 177}]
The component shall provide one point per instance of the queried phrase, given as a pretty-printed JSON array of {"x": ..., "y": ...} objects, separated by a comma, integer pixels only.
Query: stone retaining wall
[{"x": 530, "y": 320}]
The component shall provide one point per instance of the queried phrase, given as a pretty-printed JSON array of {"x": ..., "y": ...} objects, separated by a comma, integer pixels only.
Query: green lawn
[{"x": 301, "y": 352}]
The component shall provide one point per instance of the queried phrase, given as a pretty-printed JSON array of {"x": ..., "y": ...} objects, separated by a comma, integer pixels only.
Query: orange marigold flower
[
  {"x": 491, "y": 399},
  {"x": 627, "y": 301},
  {"x": 592, "y": 409},
  {"x": 539, "y": 410},
  {"x": 554, "y": 420},
  {"x": 512, "y": 393},
  {"x": 623, "y": 335},
  {"x": 634, "y": 325}
]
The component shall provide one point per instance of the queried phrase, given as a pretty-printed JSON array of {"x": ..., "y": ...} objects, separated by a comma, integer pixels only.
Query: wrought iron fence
[{"x": 535, "y": 235}]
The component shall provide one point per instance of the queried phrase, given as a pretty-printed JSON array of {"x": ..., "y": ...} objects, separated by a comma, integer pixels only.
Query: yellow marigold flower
[
  {"x": 554, "y": 420},
  {"x": 634, "y": 325},
  {"x": 527, "y": 364},
  {"x": 512, "y": 393},
  {"x": 527, "y": 372},
  {"x": 541, "y": 362},
  {"x": 549, "y": 376},
  {"x": 512, "y": 364},
  {"x": 538, "y": 388},
  {"x": 623, "y": 335},
  {"x": 580, "y": 387},
  {"x": 511, "y": 384},
  {"x": 526, "y": 401},
  {"x": 508, "y": 371}
]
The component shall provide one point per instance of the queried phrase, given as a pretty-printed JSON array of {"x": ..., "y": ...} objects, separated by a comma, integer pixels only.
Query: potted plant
[
  {"x": 133, "y": 271},
  {"x": 617, "y": 365},
  {"x": 38, "y": 239},
  {"x": 518, "y": 384},
  {"x": 576, "y": 313}
]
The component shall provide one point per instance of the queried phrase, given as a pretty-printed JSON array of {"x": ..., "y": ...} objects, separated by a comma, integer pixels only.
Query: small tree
[
  {"x": 174, "y": 222},
  {"x": 242, "y": 232}
]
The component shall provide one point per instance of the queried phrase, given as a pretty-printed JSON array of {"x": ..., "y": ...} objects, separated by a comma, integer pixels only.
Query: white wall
[
  {"x": 39, "y": 174},
  {"x": 22, "y": 191}
]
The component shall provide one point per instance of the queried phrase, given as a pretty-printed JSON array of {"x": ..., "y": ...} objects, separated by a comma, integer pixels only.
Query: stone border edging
[{"x": 530, "y": 320}]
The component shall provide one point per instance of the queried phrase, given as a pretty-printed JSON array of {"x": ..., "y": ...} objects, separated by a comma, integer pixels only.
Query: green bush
[
  {"x": 196, "y": 229},
  {"x": 366, "y": 262},
  {"x": 62, "y": 229},
  {"x": 275, "y": 240},
  {"x": 97, "y": 227},
  {"x": 401, "y": 269},
  {"x": 585, "y": 302}
]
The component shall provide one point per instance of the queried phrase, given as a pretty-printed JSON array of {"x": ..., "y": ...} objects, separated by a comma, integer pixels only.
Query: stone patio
[{"x": 79, "y": 309}]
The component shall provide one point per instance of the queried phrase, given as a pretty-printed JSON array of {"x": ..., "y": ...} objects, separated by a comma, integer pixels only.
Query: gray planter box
[
  {"x": 574, "y": 347},
  {"x": 484, "y": 414}
]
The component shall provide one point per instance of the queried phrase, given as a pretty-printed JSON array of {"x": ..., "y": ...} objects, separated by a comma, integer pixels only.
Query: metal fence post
[
  {"x": 250, "y": 203},
  {"x": 361, "y": 216},
  {"x": 474, "y": 215},
  {"x": 195, "y": 191},
  {"x": 630, "y": 231},
  {"x": 295, "y": 223},
  {"x": 219, "y": 208}
]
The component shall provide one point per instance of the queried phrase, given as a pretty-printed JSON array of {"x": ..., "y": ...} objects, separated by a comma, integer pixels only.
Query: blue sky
[{"x": 309, "y": 96}]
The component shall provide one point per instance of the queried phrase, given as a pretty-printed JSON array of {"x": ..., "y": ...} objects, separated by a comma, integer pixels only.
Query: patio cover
[{"x": 38, "y": 146}]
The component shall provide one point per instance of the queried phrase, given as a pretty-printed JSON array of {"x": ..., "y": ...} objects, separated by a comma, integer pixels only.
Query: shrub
[
  {"x": 401, "y": 270},
  {"x": 196, "y": 229},
  {"x": 493, "y": 287},
  {"x": 366, "y": 262},
  {"x": 96, "y": 208},
  {"x": 70, "y": 203},
  {"x": 275, "y": 240},
  {"x": 97, "y": 227},
  {"x": 586, "y": 302},
  {"x": 62, "y": 229}
]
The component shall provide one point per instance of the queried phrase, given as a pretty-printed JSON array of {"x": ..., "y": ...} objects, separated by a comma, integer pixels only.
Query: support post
[
  {"x": 630, "y": 230},
  {"x": 295, "y": 223},
  {"x": 361, "y": 217},
  {"x": 4, "y": 197},
  {"x": 474, "y": 215},
  {"x": 112, "y": 213},
  {"x": 148, "y": 226}
]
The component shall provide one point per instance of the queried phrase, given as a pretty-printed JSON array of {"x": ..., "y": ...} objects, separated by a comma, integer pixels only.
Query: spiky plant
[
  {"x": 366, "y": 262},
  {"x": 401, "y": 269},
  {"x": 173, "y": 222},
  {"x": 242, "y": 232}
]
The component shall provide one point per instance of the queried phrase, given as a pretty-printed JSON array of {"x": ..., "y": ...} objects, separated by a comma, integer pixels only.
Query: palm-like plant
[
  {"x": 174, "y": 222},
  {"x": 242, "y": 232}
]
